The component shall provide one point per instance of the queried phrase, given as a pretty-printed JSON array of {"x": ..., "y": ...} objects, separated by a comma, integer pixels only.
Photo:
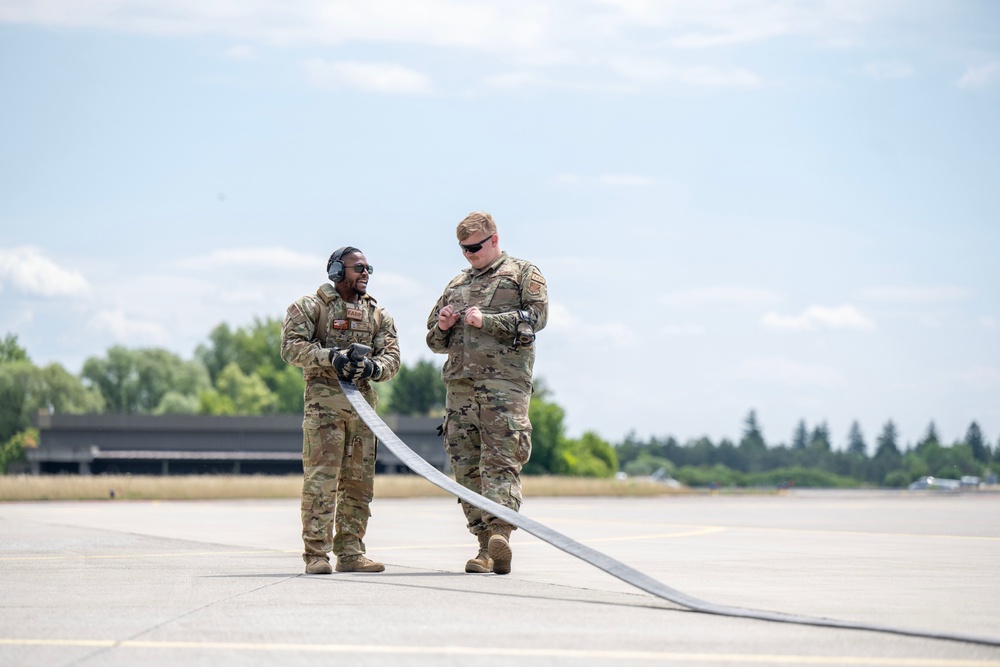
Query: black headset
[{"x": 335, "y": 267}]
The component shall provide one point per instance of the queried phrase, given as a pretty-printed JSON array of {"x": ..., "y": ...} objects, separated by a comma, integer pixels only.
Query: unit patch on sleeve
[{"x": 536, "y": 283}]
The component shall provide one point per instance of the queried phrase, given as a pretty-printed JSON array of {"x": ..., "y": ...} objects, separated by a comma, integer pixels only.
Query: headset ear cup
[{"x": 336, "y": 273}]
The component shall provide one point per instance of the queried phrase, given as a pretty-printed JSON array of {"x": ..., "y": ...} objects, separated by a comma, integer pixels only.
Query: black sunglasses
[
  {"x": 361, "y": 268},
  {"x": 476, "y": 247}
]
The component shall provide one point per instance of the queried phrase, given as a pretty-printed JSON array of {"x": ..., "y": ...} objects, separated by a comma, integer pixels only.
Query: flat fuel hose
[{"x": 613, "y": 567}]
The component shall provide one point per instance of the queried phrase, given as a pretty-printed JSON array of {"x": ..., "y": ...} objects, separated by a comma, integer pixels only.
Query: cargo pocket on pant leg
[{"x": 520, "y": 427}]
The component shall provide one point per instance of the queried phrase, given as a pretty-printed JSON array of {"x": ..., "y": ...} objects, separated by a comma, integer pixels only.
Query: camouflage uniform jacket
[
  {"x": 500, "y": 290},
  {"x": 306, "y": 343}
]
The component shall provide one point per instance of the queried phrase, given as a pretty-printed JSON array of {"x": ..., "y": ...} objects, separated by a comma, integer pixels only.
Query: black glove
[
  {"x": 343, "y": 365},
  {"x": 362, "y": 370}
]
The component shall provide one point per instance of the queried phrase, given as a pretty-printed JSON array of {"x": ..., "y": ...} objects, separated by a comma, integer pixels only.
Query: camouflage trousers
[
  {"x": 338, "y": 461},
  {"x": 488, "y": 439}
]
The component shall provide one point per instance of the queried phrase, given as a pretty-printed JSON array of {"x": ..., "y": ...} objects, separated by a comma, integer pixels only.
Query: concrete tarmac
[{"x": 221, "y": 582}]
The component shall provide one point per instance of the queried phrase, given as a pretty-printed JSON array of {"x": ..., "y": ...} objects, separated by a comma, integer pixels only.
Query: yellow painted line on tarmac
[
  {"x": 476, "y": 651},
  {"x": 817, "y": 531},
  {"x": 707, "y": 530},
  {"x": 180, "y": 554},
  {"x": 414, "y": 547}
]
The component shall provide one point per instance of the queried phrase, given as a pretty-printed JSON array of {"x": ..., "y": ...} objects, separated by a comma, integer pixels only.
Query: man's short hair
[{"x": 477, "y": 223}]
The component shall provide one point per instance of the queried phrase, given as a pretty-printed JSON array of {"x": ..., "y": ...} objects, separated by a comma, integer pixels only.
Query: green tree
[
  {"x": 26, "y": 390},
  {"x": 219, "y": 352},
  {"x": 752, "y": 445},
  {"x": 547, "y": 432},
  {"x": 135, "y": 381},
  {"x": 930, "y": 436},
  {"x": 176, "y": 403},
  {"x": 417, "y": 391},
  {"x": 256, "y": 350},
  {"x": 887, "y": 457},
  {"x": 20, "y": 387},
  {"x": 800, "y": 438},
  {"x": 11, "y": 351},
  {"x": 590, "y": 456},
  {"x": 974, "y": 439},
  {"x": 820, "y": 438},
  {"x": 856, "y": 441},
  {"x": 237, "y": 393},
  {"x": 12, "y": 449},
  {"x": 63, "y": 392},
  {"x": 886, "y": 445}
]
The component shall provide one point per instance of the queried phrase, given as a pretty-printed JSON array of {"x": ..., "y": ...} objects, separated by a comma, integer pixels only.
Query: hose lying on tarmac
[{"x": 610, "y": 565}]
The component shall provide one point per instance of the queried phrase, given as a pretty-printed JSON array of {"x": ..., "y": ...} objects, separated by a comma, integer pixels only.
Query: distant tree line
[
  {"x": 240, "y": 372},
  {"x": 810, "y": 459}
]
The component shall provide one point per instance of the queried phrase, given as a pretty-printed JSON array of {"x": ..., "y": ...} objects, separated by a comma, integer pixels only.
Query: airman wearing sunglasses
[
  {"x": 338, "y": 449},
  {"x": 486, "y": 322}
]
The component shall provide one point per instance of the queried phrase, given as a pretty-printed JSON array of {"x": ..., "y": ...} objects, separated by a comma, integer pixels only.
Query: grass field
[{"x": 205, "y": 487}]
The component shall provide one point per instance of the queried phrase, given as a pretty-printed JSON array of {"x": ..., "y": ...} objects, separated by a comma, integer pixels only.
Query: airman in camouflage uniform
[
  {"x": 338, "y": 449},
  {"x": 485, "y": 322}
]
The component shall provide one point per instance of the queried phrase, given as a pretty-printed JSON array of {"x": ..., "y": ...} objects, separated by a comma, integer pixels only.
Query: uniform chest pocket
[{"x": 505, "y": 296}]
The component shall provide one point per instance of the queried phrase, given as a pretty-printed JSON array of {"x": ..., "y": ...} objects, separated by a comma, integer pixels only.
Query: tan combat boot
[
  {"x": 358, "y": 564},
  {"x": 317, "y": 565},
  {"x": 482, "y": 562},
  {"x": 499, "y": 548}
]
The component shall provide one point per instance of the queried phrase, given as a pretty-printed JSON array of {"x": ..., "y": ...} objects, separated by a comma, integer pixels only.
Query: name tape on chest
[{"x": 354, "y": 313}]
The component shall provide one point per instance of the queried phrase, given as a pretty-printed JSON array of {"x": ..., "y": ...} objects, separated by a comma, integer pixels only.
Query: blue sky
[{"x": 782, "y": 206}]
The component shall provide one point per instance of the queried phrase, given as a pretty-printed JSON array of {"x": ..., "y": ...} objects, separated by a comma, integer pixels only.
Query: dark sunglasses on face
[
  {"x": 475, "y": 247},
  {"x": 361, "y": 268}
]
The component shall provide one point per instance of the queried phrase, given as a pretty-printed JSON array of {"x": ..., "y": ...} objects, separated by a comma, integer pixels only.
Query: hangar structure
[{"x": 200, "y": 444}]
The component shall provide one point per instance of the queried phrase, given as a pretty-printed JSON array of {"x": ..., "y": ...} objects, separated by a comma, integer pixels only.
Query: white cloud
[
  {"x": 653, "y": 71},
  {"x": 627, "y": 180},
  {"x": 980, "y": 77},
  {"x": 270, "y": 258},
  {"x": 32, "y": 273},
  {"x": 885, "y": 70},
  {"x": 560, "y": 318},
  {"x": 702, "y": 24},
  {"x": 385, "y": 78},
  {"x": 914, "y": 294},
  {"x": 586, "y": 331},
  {"x": 791, "y": 373},
  {"x": 521, "y": 79},
  {"x": 134, "y": 333},
  {"x": 819, "y": 317},
  {"x": 530, "y": 39},
  {"x": 568, "y": 179},
  {"x": 241, "y": 52},
  {"x": 724, "y": 294},
  {"x": 485, "y": 26}
]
